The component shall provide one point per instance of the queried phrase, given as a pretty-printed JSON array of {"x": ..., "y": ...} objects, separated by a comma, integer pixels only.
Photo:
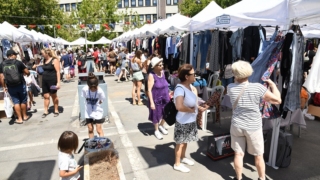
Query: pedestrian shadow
[
  {"x": 33, "y": 170},
  {"x": 160, "y": 155},
  {"x": 51, "y": 109},
  {"x": 146, "y": 128},
  {"x": 14, "y": 116}
]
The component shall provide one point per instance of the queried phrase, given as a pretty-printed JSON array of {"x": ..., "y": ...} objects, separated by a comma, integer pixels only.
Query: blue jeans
[
  {"x": 18, "y": 94},
  {"x": 196, "y": 44},
  {"x": 204, "y": 46}
]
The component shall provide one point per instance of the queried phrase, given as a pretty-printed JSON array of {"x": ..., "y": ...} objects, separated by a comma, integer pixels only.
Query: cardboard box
[{"x": 314, "y": 110}]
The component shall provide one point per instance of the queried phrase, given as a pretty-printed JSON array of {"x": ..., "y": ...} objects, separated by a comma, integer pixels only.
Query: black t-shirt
[
  {"x": 311, "y": 55},
  {"x": 49, "y": 72},
  {"x": 19, "y": 65}
]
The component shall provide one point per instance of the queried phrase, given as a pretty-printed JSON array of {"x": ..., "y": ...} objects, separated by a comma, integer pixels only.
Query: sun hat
[{"x": 155, "y": 61}]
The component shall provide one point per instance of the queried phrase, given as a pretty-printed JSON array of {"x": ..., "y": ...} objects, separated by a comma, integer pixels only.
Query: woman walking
[
  {"x": 112, "y": 60},
  {"x": 158, "y": 96},
  {"x": 246, "y": 122},
  {"x": 50, "y": 81},
  {"x": 137, "y": 77},
  {"x": 185, "y": 130},
  {"x": 122, "y": 58}
]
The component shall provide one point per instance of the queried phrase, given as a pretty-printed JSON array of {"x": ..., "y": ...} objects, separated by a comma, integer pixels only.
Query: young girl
[
  {"x": 94, "y": 97},
  {"x": 68, "y": 167}
]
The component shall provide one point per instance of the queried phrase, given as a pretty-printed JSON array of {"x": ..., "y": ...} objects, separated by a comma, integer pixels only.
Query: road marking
[
  {"x": 75, "y": 110},
  {"x": 132, "y": 155}
]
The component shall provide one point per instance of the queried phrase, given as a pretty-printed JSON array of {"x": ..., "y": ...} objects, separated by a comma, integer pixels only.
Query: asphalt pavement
[{"x": 29, "y": 151}]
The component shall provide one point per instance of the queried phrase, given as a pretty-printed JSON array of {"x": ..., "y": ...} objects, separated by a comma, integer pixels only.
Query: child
[
  {"x": 94, "y": 97},
  {"x": 68, "y": 167}
]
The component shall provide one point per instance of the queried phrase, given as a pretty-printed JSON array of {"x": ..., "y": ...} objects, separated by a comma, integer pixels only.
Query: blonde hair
[
  {"x": 241, "y": 69},
  {"x": 48, "y": 51}
]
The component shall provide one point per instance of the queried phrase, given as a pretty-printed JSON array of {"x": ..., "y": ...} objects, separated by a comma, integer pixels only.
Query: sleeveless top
[
  {"x": 49, "y": 72},
  {"x": 135, "y": 66}
]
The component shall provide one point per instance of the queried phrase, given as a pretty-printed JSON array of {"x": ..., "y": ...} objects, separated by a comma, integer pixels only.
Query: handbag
[
  {"x": 8, "y": 107},
  {"x": 40, "y": 70},
  {"x": 170, "y": 112}
]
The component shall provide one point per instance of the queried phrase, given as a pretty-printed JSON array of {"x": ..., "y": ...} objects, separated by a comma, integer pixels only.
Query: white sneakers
[
  {"x": 163, "y": 130},
  {"x": 309, "y": 116},
  {"x": 182, "y": 167},
  {"x": 187, "y": 161},
  {"x": 158, "y": 135}
]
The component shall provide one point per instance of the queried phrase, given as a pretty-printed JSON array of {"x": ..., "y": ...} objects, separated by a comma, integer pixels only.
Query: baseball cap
[
  {"x": 11, "y": 52},
  {"x": 155, "y": 61}
]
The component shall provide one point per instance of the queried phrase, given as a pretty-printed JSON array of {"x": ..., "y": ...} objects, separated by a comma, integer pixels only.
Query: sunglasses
[{"x": 193, "y": 74}]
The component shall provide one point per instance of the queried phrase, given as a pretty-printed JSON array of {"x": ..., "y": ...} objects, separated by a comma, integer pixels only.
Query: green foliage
[
  {"x": 226, "y": 3},
  {"x": 191, "y": 7},
  {"x": 130, "y": 20}
]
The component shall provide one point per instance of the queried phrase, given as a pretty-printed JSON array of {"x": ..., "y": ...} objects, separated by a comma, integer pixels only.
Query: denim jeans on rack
[
  {"x": 204, "y": 47},
  {"x": 292, "y": 99},
  {"x": 260, "y": 64},
  {"x": 196, "y": 38}
]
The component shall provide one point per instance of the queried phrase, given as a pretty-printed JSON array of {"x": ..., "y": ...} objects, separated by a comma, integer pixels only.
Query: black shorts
[
  {"x": 104, "y": 63},
  {"x": 46, "y": 87},
  {"x": 96, "y": 121}
]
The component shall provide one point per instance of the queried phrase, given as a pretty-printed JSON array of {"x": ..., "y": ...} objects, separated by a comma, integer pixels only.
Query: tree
[
  {"x": 130, "y": 20},
  {"x": 192, "y": 7},
  {"x": 226, "y": 3}
]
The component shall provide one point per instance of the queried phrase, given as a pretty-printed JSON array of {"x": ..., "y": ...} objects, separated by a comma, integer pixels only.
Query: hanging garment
[
  {"x": 251, "y": 42},
  {"x": 214, "y": 52},
  {"x": 168, "y": 43},
  {"x": 196, "y": 38},
  {"x": 17, "y": 50},
  {"x": 292, "y": 99},
  {"x": 225, "y": 51},
  {"x": 1, "y": 56},
  {"x": 6, "y": 46},
  {"x": 198, "y": 58},
  {"x": 236, "y": 43},
  {"x": 204, "y": 46},
  {"x": 312, "y": 82},
  {"x": 176, "y": 48}
]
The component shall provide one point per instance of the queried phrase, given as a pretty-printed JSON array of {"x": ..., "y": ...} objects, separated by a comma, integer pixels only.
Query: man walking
[
  {"x": 11, "y": 77},
  {"x": 66, "y": 63}
]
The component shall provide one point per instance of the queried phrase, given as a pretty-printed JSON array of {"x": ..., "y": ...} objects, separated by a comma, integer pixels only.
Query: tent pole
[{"x": 191, "y": 47}]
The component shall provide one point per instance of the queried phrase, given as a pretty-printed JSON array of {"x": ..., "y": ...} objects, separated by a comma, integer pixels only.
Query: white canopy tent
[
  {"x": 103, "y": 40},
  {"x": 81, "y": 41},
  {"x": 143, "y": 31},
  {"x": 155, "y": 27},
  {"x": 175, "y": 23},
  {"x": 13, "y": 34},
  {"x": 206, "y": 14},
  {"x": 26, "y": 31},
  {"x": 62, "y": 41}
]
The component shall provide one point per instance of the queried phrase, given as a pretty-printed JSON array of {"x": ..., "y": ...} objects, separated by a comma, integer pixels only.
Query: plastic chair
[
  {"x": 211, "y": 110},
  {"x": 213, "y": 79}
]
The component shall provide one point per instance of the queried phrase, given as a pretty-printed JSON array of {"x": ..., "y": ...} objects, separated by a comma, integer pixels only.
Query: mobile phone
[{"x": 53, "y": 87}]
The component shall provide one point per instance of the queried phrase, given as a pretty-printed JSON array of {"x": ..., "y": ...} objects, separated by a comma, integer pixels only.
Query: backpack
[
  {"x": 316, "y": 99},
  {"x": 170, "y": 112},
  {"x": 11, "y": 73}
]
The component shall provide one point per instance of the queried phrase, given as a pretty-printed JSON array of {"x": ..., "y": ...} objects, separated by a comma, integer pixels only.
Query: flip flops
[{"x": 17, "y": 122}]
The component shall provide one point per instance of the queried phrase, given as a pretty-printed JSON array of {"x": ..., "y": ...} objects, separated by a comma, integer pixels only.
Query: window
[
  {"x": 168, "y": 15},
  {"x": 168, "y": 2},
  {"x": 148, "y": 2},
  {"x": 155, "y": 2},
  {"x": 148, "y": 18},
  {"x": 133, "y": 18},
  {"x": 126, "y": 19},
  {"x": 141, "y": 19},
  {"x": 154, "y": 17},
  {"x": 140, "y": 2},
  {"x": 175, "y": 2},
  {"x": 74, "y": 6},
  {"x": 62, "y": 7},
  {"x": 133, "y": 3},
  {"x": 68, "y": 7},
  {"x": 120, "y": 4},
  {"x": 126, "y": 3}
]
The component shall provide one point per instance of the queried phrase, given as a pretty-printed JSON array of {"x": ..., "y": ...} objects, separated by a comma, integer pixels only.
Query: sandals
[
  {"x": 44, "y": 115},
  {"x": 140, "y": 103},
  {"x": 27, "y": 118},
  {"x": 55, "y": 114}
]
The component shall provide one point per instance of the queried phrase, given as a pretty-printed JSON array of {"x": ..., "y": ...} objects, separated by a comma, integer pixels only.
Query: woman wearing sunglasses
[{"x": 158, "y": 93}]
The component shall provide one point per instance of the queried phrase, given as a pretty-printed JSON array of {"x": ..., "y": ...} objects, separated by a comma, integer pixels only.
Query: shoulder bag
[{"x": 241, "y": 93}]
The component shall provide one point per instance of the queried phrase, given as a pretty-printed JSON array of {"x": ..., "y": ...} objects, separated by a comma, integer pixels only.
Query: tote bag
[{"x": 8, "y": 107}]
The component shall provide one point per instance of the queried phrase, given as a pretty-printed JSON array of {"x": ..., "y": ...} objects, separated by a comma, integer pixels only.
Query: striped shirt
[{"x": 246, "y": 114}]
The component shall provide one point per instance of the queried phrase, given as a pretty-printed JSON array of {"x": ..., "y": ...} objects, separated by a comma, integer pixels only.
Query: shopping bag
[
  {"x": 8, "y": 107},
  {"x": 118, "y": 71},
  {"x": 219, "y": 146}
]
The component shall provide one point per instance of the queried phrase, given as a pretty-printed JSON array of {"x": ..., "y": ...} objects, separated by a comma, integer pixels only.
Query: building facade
[{"x": 147, "y": 10}]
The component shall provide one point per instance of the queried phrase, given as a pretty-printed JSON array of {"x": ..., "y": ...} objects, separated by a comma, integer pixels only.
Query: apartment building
[{"x": 147, "y": 10}]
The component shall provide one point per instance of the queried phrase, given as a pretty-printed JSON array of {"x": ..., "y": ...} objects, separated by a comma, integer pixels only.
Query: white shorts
[{"x": 66, "y": 70}]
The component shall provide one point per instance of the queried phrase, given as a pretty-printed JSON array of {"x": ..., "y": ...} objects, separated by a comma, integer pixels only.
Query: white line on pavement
[
  {"x": 132, "y": 155},
  {"x": 75, "y": 106}
]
